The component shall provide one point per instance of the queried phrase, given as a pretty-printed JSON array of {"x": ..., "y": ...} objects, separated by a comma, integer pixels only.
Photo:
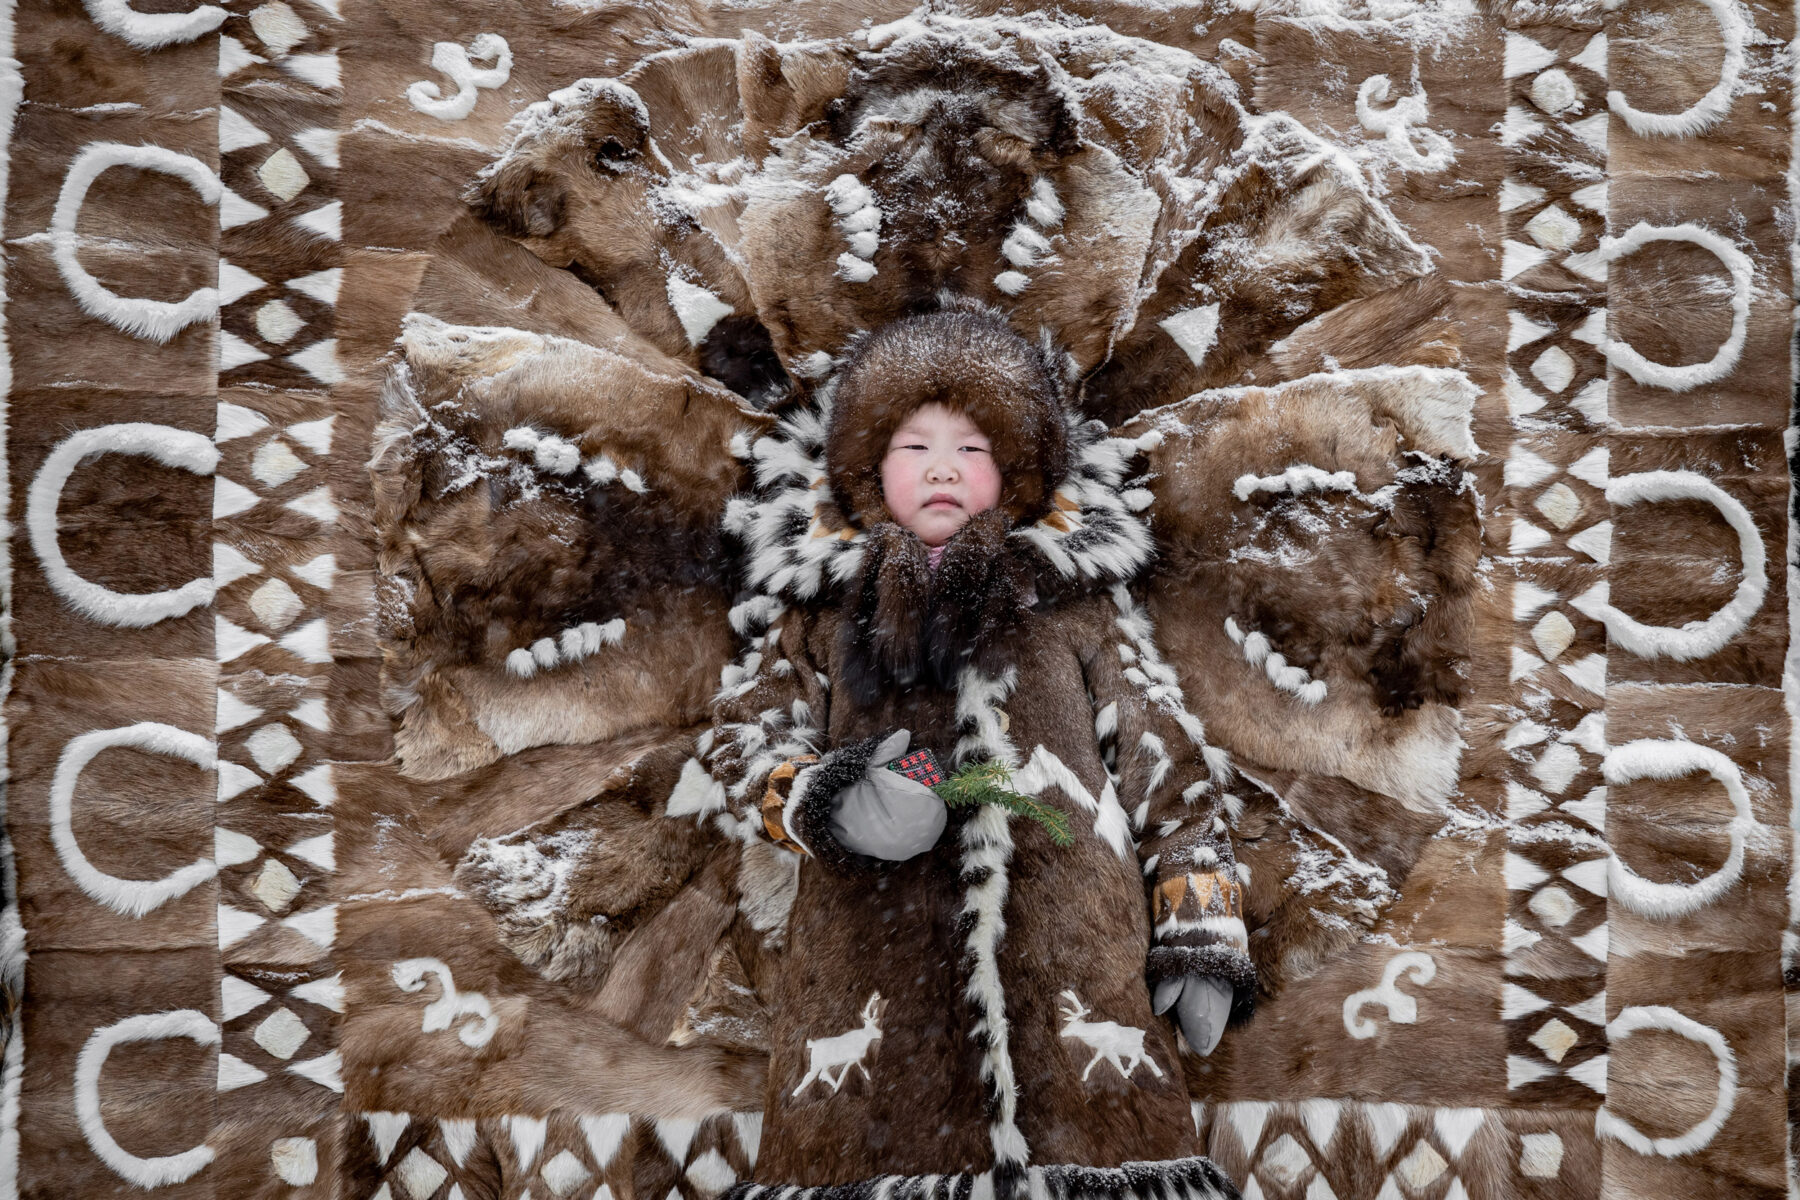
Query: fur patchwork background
[{"x": 393, "y": 488}]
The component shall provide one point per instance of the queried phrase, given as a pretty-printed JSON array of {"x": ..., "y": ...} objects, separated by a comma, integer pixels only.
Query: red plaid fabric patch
[{"x": 921, "y": 766}]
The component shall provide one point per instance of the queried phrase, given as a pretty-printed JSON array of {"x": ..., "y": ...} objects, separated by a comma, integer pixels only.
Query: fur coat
[{"x": 977, "y": 1017}]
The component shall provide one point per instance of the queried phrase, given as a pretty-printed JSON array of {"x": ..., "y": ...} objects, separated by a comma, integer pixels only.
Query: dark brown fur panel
[
  {"x": 957, "y": 140},
  {"x": 622, "y": 861}
]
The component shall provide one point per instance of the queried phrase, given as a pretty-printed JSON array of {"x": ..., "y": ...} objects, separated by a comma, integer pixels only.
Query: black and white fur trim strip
[
  {"x": 790, "y": 556},
  {"x": 987, "y": 850},
  {"x": 1179, "y": 1179}
]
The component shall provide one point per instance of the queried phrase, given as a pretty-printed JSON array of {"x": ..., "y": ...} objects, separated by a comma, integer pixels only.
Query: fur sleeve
[
  {"x": 769, "y": 720},
  {"x": 1172, "y": 785}
]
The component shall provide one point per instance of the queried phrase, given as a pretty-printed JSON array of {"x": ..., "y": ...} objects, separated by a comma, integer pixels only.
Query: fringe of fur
[{"x": 1178, "y": 1179}]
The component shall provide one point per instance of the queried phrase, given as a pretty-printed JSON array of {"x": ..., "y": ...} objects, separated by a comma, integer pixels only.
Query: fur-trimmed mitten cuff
[
  {"x": 807, "y": 815},
  {"x": 1214, "y": 960}
]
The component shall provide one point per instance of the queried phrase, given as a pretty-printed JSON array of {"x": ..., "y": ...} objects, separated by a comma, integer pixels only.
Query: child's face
[{"x": 939, "y": 472}]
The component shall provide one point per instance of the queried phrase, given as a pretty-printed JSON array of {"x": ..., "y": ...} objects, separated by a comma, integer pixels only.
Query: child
[{"x": 964, "y": 1008}]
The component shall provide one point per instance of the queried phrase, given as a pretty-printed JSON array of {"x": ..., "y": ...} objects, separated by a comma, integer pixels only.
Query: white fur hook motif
[
  {"x": 1401, "y": 123},
  {"x": 153, "y": 320},
  {"x": 409, "y": 976},
  {"x": 146, "y": 1173},
  {"x": 179, "y": 448},
  {"x": 1710, "y": 109},
  {"x": 1402, "y": 1009},
  {"x": 453, "y": 61},
  {"x": 1698, "y": 1137}
]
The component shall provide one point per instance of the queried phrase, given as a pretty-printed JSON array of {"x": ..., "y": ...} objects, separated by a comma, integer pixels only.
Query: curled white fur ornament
[
  {"x": 454, "y": 62},
  {"x": 146, "y": 1173},
  {"x": 153, "y": 320},
  {"x": 1653, "y": 758},
  {"x": 476, "y": 1032},
  {"x": 1691, "y": 375},
  {"x": 1402, "y": 1009},
  {"x": 1698, "y": 1137},
  {"x": 1696, "y": 639},
  {"x": 132, "y": 897},
  {"x": 153, "y": 31},
  {"x": 1402, "y": 122},
  {"x": 173, "y": 447},
  {"x": 1710, "y": 109}
]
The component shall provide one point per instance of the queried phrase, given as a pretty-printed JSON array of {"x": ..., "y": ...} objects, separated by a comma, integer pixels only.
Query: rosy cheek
[{"x": 984, "y": 484}]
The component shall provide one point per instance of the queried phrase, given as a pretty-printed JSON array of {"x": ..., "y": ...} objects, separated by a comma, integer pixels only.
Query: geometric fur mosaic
[{"x": 420, "y": 478}]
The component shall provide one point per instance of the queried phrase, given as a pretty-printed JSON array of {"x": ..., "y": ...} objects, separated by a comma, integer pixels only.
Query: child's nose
[{"x": 941, "y": 471}]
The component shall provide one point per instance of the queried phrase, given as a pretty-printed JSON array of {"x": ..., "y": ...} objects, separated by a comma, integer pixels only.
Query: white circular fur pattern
[
  {"x": 153, "y": 320},
  {"x": 146, "y": 1173},
  {"x": 1691, "y": 375},
  {"x": 1710, "y": 109},
  {"x": 1657, "y": 1016},
  {"x": 1696, "y": 639},
  {"x": 132, "y": 897},
  {"x": 1655, "y": 758},
  {"x": 180, "y": 448}
]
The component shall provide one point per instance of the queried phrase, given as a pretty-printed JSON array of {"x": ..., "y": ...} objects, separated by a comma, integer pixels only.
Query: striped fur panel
[{"x": 1179, "y": 1179}]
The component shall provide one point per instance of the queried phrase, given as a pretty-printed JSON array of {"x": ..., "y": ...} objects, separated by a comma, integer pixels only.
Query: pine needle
[{"x": 991, "y": 783}]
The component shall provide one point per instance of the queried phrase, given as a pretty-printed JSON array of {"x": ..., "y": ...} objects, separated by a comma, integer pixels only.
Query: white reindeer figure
[
  {"x": 844, "y": 1051},
  {"x": 1110, "y": 1040}
]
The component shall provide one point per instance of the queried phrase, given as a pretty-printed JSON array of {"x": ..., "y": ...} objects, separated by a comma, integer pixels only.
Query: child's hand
[
  {"x": 884, "y": 814},
  {"x": 1201, "y": 1005}
]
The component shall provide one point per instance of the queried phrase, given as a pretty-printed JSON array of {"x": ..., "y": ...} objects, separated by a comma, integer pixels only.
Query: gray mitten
[
  {"x": 884, "y": 814},
  {"x": 1202, "y": 1004}
]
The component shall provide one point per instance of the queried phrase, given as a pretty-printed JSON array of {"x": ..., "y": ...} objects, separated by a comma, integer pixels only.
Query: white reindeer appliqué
[
  {"x": 844, "y": 1051},
  {"x": 1110, "y": 1040}
]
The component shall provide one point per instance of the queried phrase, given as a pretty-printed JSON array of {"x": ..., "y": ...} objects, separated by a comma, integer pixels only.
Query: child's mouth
[{"x": 941, "y": 501}]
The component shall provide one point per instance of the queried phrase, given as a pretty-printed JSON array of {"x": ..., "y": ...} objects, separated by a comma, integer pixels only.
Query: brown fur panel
[
  {"x": 784, "y": 88},
  {"x": 1290, "y": 238},
  {"x": 488, "y": 549},
  {"x": 1306, "y": 899},
  {"x": 567, "y": 890},
  {"x": 544, "y": 1053},
  {"x": 1367, "y": 591},
  {"x": 967, "y": 359},
  {"x": 580, "y": 184},
  {"x": 937, "y": 133}
]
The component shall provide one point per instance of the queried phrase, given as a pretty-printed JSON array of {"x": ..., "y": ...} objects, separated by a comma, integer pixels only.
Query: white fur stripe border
[{"x": 1178, "y": 1179}]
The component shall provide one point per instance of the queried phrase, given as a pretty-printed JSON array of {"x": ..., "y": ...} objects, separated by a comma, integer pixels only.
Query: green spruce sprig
[{"x": 991, "y": 783}]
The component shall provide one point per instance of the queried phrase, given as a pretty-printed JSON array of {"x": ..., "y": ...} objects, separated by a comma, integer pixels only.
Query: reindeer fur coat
[{"x": 976, "y": 1019}]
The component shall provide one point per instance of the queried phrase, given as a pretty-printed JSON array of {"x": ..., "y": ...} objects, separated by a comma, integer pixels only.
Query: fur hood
[
  {"x": 817, "y": 530},
  {"x": 802, "y": 548},
  {"x": 967, "y": 359}
]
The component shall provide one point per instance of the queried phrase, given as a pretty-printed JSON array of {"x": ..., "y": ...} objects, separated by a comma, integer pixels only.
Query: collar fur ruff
[{"x": 800, "y": 549}]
